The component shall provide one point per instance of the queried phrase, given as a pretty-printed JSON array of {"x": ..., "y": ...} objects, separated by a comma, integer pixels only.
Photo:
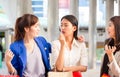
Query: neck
[
  {"x": 28, "y": 40},
  {"x": 69, "y": 40}
]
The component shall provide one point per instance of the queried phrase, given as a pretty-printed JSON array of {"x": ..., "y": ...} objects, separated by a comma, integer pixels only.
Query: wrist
[
  {"x": 63, "y": 70},
  {"x": 8, "y": 63},
  {"x": 110, "y": 58}
]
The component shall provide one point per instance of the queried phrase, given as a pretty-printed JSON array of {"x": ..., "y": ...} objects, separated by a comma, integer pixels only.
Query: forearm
[
  {"x": 60, "y": 59},
  {"x": 114, "y": 67},
  {"x": 11, "y": 69},
  {"x": 75, "y": 68},
  {"x": 110, "y": 57}
]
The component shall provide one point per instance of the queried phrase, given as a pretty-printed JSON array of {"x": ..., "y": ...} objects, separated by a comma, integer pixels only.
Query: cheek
[{"x": 113, "y": 31}]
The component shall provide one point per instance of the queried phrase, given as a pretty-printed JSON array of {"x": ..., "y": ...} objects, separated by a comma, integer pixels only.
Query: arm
[
  {"x": 113, "y": 66},
  {"x": 60, "y": 60},
  {"x": 75, "y": 68},
  {"x": 8, "y": 58},
  {"x": 83, "y": 61},
  {"x": 56, "y": 56}
]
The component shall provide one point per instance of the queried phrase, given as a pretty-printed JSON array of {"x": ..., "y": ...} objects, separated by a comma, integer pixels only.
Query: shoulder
[
  {"x": 16, "y": 43},
  {"x": 40, "y": 38},
  {"x": 42, "y": 41},
  {"x": 16, "y": 46},
  {"x": 81, "y": 44}
]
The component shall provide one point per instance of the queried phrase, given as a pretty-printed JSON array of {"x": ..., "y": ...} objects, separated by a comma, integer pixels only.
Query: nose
[
  {"x": 62, "y": 27},
  {"x": 107, "y": 28}
]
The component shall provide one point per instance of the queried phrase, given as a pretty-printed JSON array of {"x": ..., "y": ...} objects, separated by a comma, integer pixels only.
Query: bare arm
[
  {"x": 8, "y": 57},
  {"x": 113, "y": 66},
  {"x": 60, "y": 59},
  {"x": 75, "y": 68}
]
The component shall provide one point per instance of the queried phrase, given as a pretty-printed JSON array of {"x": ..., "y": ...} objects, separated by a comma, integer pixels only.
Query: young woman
[
  {"x": 68, "y": 53},
  {"x": 111, "y": 60},
  {"x": 28, "y": 55}
]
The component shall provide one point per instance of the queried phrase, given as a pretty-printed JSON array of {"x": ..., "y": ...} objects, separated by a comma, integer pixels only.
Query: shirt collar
[{"x": 75, "y": 42}]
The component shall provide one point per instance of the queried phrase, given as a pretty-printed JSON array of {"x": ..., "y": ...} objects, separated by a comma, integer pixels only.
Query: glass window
[
  {"x": 101, "y": 14},
  {"x": 40, "y": 10},
  {"x": 116, "y": 8},
  {"x": 63, "y": 8},
  {"x": 83, "y": 13},
  {"x": 4, "y": 21}
]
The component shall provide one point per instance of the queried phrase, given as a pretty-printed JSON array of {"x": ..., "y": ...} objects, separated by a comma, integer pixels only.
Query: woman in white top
[
  {"x": 111, "y": 61},
  {"x": 69, "y": 54}
]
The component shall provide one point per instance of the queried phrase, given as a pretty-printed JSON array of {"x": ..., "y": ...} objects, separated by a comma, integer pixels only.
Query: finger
[
  {"x": 109, "y": 47},
  {"x": 81, "y": 37},
  {"x": 106, "y": 47},
  {"x": 11, "y": 53},
  {"x": 113, "y": 49}
]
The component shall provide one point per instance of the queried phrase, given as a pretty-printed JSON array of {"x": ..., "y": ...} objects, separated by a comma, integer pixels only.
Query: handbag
[
  {"x": 9, "y": 76},
  {"x": 60, "y": 74}
]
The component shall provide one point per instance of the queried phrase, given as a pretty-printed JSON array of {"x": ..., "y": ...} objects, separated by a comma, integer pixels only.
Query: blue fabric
[{"x": 19, "y": 50}]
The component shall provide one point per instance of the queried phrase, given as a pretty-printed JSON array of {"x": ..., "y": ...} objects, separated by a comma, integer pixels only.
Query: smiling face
[
  {"x": 33, "y": 31},
  {"x": 111, "y": 29},
  {"x": 67, "y": 28}
]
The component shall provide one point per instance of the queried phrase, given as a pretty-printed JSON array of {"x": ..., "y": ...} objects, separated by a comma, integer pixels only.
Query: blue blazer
[{"x": 19, "y": 50}]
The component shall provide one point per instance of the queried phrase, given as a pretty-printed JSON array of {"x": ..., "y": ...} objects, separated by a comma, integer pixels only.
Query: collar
[{"x": 75, "y": 43}]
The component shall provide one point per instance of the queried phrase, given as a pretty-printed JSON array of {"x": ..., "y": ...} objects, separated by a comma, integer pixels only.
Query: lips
[
  {"x": 108, "y": 32},
  {"x": 63, "y": 32}
]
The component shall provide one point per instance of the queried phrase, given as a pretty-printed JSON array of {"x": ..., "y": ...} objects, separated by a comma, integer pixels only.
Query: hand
[
  {"x": 8, "y": 56},
  {"x": 81, "y": 38},
  {"x": 62, "y": 39},
  {"x": 109, "y": 51}
]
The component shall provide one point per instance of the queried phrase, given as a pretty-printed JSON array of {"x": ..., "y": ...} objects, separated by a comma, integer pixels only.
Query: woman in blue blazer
[{"x": 28, "y": 55}]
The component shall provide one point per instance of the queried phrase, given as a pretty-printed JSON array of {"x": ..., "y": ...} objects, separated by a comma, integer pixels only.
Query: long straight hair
[{"x": 112, "y": 42}]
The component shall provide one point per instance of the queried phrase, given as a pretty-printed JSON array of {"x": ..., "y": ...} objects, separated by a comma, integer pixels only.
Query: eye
[
  {"x": 61, "y": 25},
  {"x": 66, "y": 25}
]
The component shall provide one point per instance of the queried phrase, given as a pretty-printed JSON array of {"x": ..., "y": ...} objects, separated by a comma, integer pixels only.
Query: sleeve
[
  {"x": 14, "y": 61},
  {"x": 84, "y": 56},
  {"x": 54, "y": 54},
  {"x": 114, "y": 67}
]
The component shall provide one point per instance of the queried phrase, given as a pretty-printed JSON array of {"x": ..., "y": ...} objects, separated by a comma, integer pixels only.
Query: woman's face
[
  {"x": 111, "y": 29},
  {"x": 33, "y": 31},
  {"x": 67, "y": 28}
]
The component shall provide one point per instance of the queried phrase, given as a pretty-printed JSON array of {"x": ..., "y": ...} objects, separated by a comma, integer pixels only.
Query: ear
[
  {"x": 26, "y": 29},
  {"x": 74, "y": 28}
]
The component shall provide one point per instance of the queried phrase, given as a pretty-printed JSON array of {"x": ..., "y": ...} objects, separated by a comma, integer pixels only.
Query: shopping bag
[
  {"x": 105, "y": 75},
  {"x": 77, "y": 74},
  {"x": 60, "y": 74},
  {"x": 9, "y": 76}
]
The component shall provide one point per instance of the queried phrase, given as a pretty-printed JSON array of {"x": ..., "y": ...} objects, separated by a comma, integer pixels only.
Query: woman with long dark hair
[
  {"x": 68, "y": 53},
  {"x": 111, "y": 60}
]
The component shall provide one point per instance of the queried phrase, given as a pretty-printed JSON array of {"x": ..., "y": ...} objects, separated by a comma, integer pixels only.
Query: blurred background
[{"x": 92, "y": 15}]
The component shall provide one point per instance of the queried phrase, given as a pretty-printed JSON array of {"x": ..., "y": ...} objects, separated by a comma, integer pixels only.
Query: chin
[{"x": 36, "y": 36}]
